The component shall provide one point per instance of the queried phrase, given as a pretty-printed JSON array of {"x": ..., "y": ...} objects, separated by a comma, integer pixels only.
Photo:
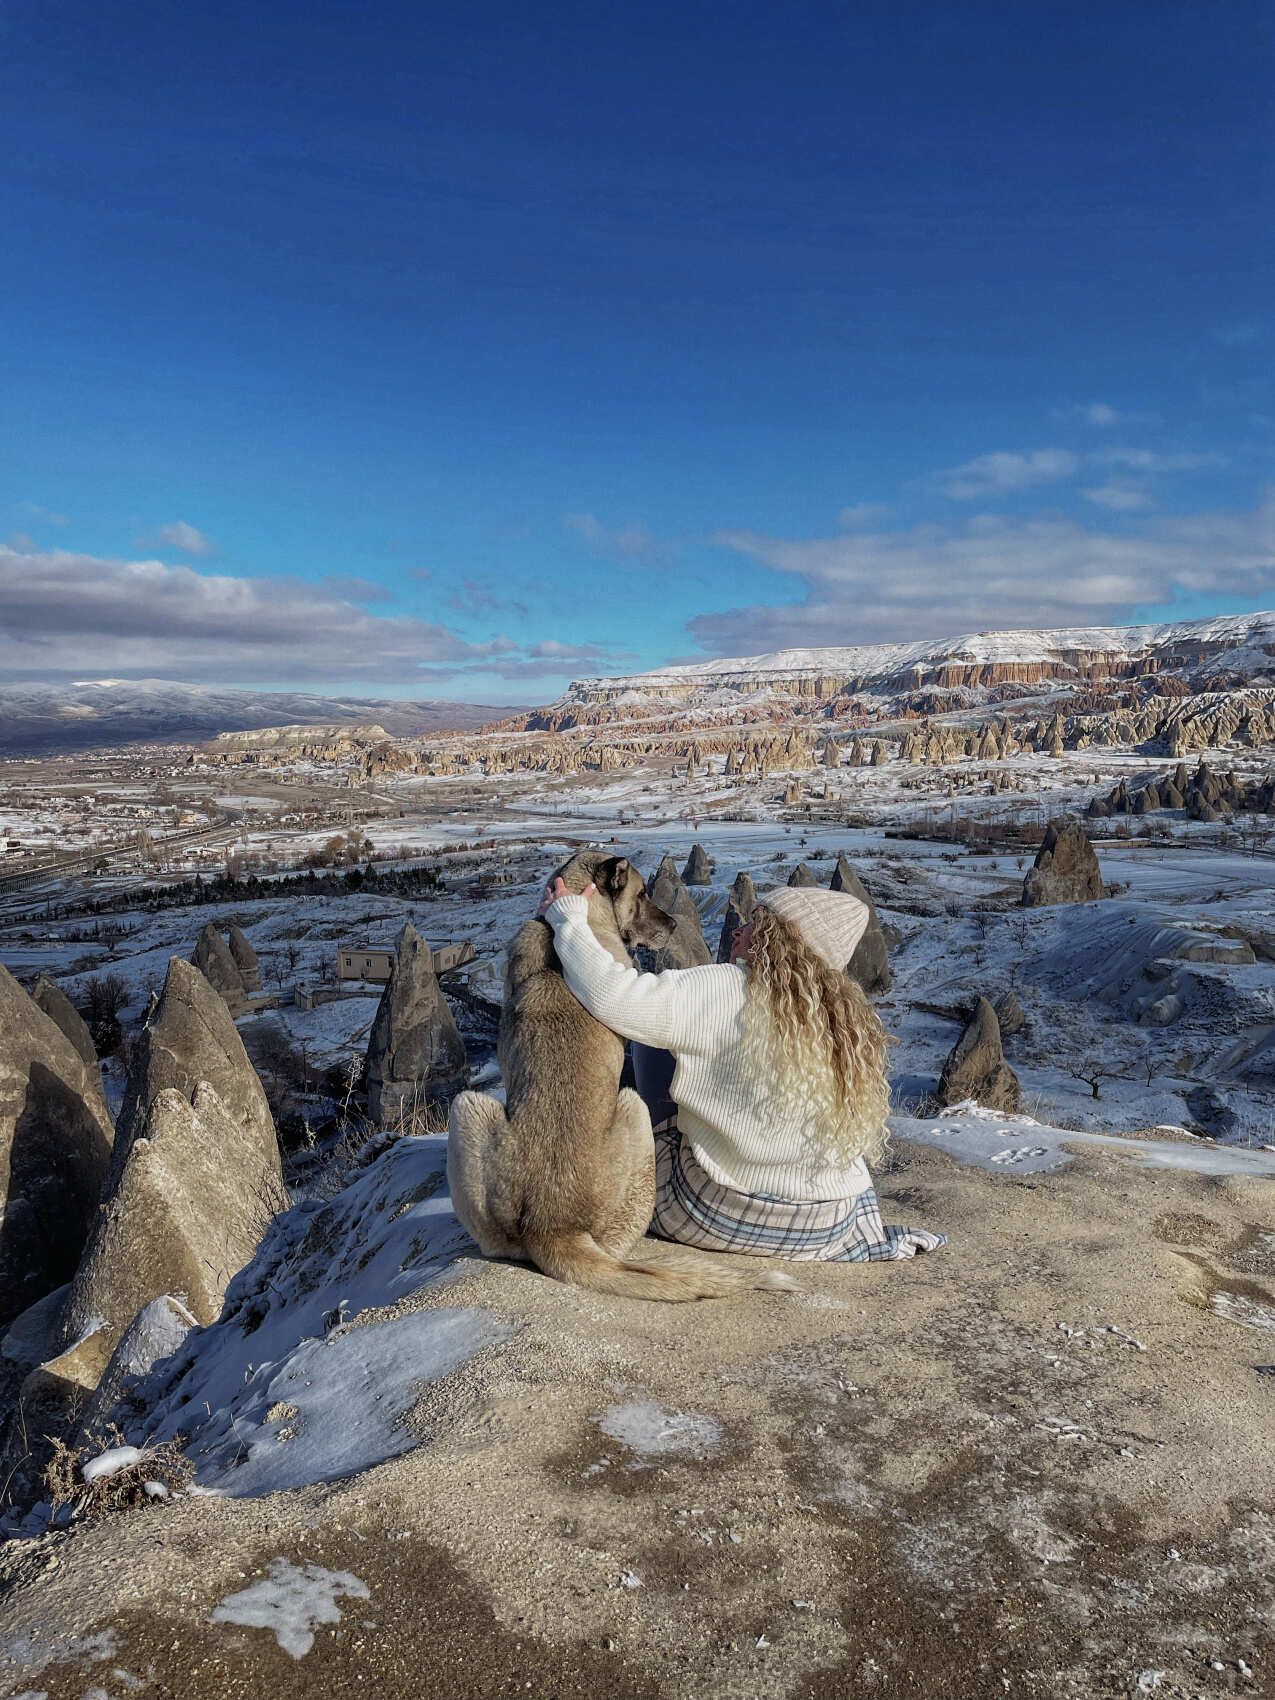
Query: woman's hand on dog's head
[{"x": 558, "y": 888}]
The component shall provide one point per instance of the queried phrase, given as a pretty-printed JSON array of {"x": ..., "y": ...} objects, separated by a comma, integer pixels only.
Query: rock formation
[
  {"x": 686, "y": 948},
  {"x": 1009, "y": 1014},
  {"x": 739, "y": 912},
  {"x": 213, "y": 960},
  {"x": 55, "y": 1144},
  {"x": 245, "y": 959},
  {"x": 194, "y": 1195},
  {"x": 802, "y": 874},
  {"x": 415, "y": 1054},
  {"x": 190, "y": 1038},
  {"x": 699, "y": 867},
  {"x": 976, "y": 1066},
  {"x": 50, "y": 997},
  {"x": 870, "y": 964},
  {"x": 1066, "y": 869}
]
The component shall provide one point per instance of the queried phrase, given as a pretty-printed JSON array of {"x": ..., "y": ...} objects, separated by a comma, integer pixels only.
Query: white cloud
[
  {"x": 1000, "y": 473},
  {"x": 73, "y": 616},
  {"x": 937, "y": 579},
  {"x": 630, "y": 542},
  {"x": 863, "y": 514},
  {"x": 1120, "y": 498},
  {"x": 1153, "y": 460},
  {"x": 187, "y": 538}
]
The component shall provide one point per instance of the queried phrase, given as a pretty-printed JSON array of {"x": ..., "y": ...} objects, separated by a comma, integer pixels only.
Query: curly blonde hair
[{"x": 819, "y": 1040}]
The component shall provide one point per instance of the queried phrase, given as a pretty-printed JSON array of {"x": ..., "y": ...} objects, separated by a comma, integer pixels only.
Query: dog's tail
[{"x": 672, "y": 1274}]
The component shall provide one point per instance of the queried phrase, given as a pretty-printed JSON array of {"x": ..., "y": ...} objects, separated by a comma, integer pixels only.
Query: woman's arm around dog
[{"x": 683, "y": 1009}]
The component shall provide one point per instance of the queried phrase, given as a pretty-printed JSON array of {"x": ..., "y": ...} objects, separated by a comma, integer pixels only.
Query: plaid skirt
[{"x": 695, "y": 1210}]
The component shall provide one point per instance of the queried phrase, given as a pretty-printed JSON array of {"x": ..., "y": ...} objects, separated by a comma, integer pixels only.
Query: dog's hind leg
[
  {"x": 626, "y": 1214},
  {"x": 475, "y": 1125}
]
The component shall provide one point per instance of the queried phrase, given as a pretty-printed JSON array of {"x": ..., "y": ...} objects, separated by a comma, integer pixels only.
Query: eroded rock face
[
  {"x": 699, "y": 867},
  {"x": 870, "y": 964},
  {"x": 686, "y": 948},
  {"x": 976, "y": 1066},
  {"x": 415, "y": 1051},
  {"x": 1009, "y": 1013},
  {"x": 194, "y": 1195},
  {"x": 55, "y": 1146},
  {"x": 190, "y": 1038},
  {"x": 50, "y": 997},
  {"x": 1066, "y": 869},
  {"x": 739, "y": 912},
  {"x": 213, "y": 959},
  {"x": 802, "y": 875},
  {"x": 244, "y": 958}
]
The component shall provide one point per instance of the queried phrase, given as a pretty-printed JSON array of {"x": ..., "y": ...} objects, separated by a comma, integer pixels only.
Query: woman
[{"x": 779, "y": 1080}]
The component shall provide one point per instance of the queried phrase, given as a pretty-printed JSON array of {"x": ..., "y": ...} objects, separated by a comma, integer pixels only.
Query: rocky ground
[{"x": 1037, "y": 1462}]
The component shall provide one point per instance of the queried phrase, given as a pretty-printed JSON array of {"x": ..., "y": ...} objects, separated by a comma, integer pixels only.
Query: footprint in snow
[{"x": 1017, "y": 1153}]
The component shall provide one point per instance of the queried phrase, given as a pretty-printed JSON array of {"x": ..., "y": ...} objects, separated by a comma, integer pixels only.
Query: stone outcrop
[
  {"x": 686, "y": 948},
  {"x": 1009, "y": 1014},
  {"x": 1066, "y": 869},
  {"x": 976, "y": 1066},
  {"x": 213, "y": 959},
  {"x": 870, "y": 964},
  {"x": 699, "y": 867},
  {"x": 245, "y": 958},
  {"x": 739, "y": 912},
  {"x": 50, "y": 997},
  {"x": 415, "y": 1054},
  {"x": 194, "y": 1195},
  {"x": 802, "y": 874},
  {"x": 55, "y": 1145},
  {"x": 190, "y": 1038}
]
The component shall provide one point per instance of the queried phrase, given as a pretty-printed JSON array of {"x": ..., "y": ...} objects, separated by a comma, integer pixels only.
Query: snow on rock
[
  {"x": 992, "y": 1140},
  {"x": 289, "y": 1601},
  {"x": 299, "y": 1382}
]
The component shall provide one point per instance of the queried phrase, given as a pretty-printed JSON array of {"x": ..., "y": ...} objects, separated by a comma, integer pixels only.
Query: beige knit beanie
[{"x": 830, "y": 922}]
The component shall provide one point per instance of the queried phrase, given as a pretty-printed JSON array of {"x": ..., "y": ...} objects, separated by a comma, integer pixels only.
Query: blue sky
[{"x": 457, "y": 351}]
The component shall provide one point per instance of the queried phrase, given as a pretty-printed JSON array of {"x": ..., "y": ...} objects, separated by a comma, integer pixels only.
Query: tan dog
[{"x": 563, "y": 1174}]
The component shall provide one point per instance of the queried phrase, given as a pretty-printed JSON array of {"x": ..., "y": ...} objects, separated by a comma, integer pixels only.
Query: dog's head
[{"x": 623, "y": 890}]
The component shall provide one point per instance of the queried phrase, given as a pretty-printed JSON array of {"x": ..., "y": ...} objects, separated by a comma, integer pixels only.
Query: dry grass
[{"x": 133, "y": 1485}]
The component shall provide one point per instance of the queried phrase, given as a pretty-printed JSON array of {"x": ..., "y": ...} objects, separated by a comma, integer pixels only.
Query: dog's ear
[{"x": 617, "y": 875}]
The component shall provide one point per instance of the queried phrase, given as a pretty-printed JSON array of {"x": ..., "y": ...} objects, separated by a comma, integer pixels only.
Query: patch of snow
[
  {"x": 297, "y": 1336},
  {"x": 111, "y": 1462},
  {"x": 289, "y": 1601},
  {"x": 651, "y": 1431}
]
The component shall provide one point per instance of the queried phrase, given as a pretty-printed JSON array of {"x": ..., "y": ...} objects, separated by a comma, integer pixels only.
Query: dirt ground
[{"x": 1040, "y": 1462}]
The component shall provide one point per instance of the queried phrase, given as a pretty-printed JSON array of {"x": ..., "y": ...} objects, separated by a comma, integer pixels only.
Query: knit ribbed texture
[{"x": 738, "y": 1134}]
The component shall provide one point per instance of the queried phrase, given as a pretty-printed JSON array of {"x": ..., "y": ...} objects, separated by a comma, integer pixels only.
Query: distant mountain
[
  {"x": 99, "y": 713},
  {"x": 1240, "y": 645}
]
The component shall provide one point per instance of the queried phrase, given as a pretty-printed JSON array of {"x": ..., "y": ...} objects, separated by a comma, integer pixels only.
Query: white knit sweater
[{"x": 743, "y": 1138}]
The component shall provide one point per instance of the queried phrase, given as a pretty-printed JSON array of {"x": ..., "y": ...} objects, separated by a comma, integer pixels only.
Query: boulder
[
  {"x": 869, "y": 967},
  {"x": 55, "y": 1146},
  {"x": 156, "y": 1332},
  {"x": 976, "y": 1066},
  {"x": 1066, "y": 869},
  {"x": 739, "y": 912},
  {"x": 686, "y": 948},
  {"x": 50, "y": 997},
  {"x": 415, "y": 1054},
  {"x": 213, "y": 959},
  {"x": 245, "y": 958},
  {"x": 194, "y": 1195},
  {"x": 1009, "y": 1014},
  {"x": 699, "y": 867},
  {"x": 802, "y": 874},
  {"x": 190, "y": 1038}
]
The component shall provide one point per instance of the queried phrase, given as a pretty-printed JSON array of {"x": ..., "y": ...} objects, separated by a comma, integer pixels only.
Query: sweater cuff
[{"x": 564, "y": 907}]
